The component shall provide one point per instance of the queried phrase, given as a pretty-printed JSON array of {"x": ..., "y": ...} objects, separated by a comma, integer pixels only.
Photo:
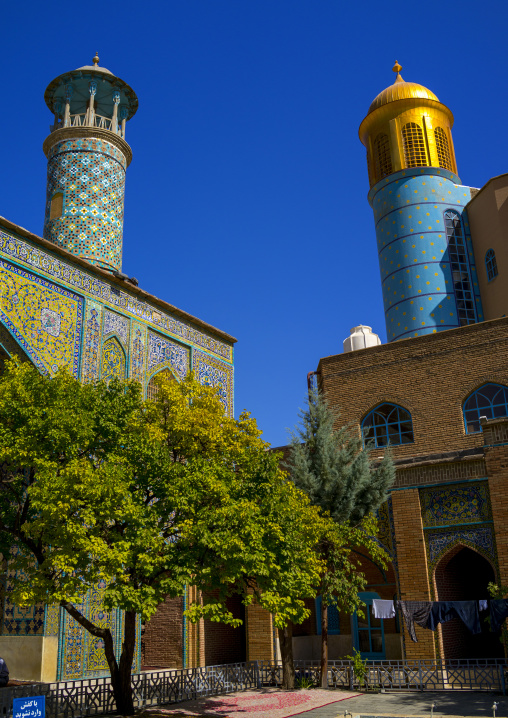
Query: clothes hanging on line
[
  {"x": 483, "y": 604},
  {"x": 415, "y": 612},
  {"x": 467, "y": 611},
  {"x": 498, "y": 612},
  {"x": 382, "y": 608}
]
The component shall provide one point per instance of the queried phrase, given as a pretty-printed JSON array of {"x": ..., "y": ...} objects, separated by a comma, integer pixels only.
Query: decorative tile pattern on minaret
[{"x": 87, "y": 159}]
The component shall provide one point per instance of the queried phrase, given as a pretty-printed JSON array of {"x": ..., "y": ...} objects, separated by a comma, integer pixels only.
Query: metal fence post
[{"x": 258, "y": 675}]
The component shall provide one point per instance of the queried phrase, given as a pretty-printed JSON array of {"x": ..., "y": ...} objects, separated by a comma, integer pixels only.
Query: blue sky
[{"x": 246, "y": 200}]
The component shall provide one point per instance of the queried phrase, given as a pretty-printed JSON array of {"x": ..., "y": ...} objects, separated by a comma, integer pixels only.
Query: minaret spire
[{"x": 397, "y": 68}]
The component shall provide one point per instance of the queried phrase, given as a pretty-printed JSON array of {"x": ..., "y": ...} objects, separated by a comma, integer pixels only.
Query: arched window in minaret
[
  {"x": 382, "y": 156},
  {"x": 443, "y": 149},
  {"x": 414, "y": 145},
  {"x": 56, "y": 208}
]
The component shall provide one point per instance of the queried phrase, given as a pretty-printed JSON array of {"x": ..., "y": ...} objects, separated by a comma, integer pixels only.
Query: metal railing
[
  {"x": 94, "y": 696},
  {"x": 82, "y": 120},
  {"x": 480, "y": 674}
]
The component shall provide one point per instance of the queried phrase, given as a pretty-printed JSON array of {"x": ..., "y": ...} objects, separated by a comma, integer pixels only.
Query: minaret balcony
[{"x": 82, "y": 120}]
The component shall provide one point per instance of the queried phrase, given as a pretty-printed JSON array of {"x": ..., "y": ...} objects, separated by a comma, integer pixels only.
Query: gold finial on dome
[
  {"x": 397, "y": 68},
  {"x": 96, "y": 59}
]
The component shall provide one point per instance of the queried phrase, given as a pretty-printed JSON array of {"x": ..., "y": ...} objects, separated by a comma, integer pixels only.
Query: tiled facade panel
[
  {"x": 58, "y": 313},
  {"x": 44, "y": 318}
]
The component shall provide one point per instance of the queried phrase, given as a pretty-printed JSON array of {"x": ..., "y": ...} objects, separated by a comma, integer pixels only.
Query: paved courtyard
[
  {"x": 273, "y": 703},
  {"x": 448, "y": 703}
]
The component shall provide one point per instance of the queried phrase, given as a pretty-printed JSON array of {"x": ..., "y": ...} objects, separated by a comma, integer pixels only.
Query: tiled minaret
[
  {"x": 87, "y": 159},
  {"x": 425, "y": 252}
]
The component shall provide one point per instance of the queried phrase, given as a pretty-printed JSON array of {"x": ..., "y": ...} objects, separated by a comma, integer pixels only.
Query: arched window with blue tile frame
[
  {"x": 491, "y": 264},
  {"x": 490, "y": 400},
  {"x": 333, "y": 618},
  {"x": 460, "y": 268},
  {"x": 387, "y": 425}
]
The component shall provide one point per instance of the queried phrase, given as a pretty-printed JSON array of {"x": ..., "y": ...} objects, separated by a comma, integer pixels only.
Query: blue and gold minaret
[
  {"x": 87, "y": 159},
  {"x": 425, "y": 251}
]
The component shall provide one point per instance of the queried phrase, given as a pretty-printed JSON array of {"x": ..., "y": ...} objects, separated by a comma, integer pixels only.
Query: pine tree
[{"x": 333, "y": 469}]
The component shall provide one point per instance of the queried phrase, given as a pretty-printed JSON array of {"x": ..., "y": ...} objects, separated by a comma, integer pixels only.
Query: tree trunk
[
  {"x": 286, "y": 652},
  {"x": 324, "y": 646},
  {"x": 120, "y": 673},
  {"x": 123, "y": 690}
]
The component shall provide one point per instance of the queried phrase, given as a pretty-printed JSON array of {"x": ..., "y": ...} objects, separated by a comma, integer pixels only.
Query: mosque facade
[
  {"x": 65, "y": 302},
  {"x": 436, "y": 393}
]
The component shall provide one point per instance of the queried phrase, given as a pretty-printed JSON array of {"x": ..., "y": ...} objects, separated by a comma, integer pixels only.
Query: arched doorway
[
  {"x": 223, "y": 643},
  {"x": 463, "y": 575}
]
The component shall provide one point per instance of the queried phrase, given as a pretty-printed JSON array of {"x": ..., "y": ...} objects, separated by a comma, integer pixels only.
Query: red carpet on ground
[{"x": 267, "y": 703}]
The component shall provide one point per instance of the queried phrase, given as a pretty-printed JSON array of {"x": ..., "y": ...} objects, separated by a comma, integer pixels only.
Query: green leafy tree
[
  {"x": 155, "y": 495},
  {"x": 330, "y": 465}
]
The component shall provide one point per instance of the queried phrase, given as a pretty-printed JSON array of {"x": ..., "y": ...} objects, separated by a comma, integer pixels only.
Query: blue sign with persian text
[{"x": 34, "y": 707}]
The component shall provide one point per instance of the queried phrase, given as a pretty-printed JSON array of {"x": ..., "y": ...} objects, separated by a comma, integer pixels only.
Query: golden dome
[{"x": 401, "y": 90}]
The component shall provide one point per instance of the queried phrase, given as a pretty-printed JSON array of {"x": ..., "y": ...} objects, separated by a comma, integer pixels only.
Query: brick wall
[
  {"x": 413, "y": 576},
  {"x": 259, "y": 634},
  {"x": 161, "y": 643},
  {"x": 441, "y": 471},
  {"x": 495, "y": 433},
  {"x": 430, "y": 376}
]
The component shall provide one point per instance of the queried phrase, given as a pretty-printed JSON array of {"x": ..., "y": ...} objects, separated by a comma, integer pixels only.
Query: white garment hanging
[{"x": 382, "y": 608}]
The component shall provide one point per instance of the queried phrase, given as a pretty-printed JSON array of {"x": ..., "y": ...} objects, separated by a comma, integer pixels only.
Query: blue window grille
[
  {"x": 368, "y": 632},
  {"x": 491, "y": 264},
  {"x": 490, "y": 400},
  {"x": 333, "y": 618},
  {"x": 459, "y": 266},
  {"x": 387, "y": 424}
]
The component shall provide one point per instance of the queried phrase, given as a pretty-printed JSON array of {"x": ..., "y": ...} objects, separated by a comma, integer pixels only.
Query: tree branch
[{"x": 88, "y": 625}]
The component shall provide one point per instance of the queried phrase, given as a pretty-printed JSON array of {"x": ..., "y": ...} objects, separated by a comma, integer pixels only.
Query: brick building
[{"x": 437, "y": 393}]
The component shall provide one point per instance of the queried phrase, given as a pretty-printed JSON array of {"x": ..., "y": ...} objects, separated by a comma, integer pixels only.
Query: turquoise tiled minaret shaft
[
  {"x": 425, "y": 251},
  {"x": 87, "y": 159},
  {"x": 422, "y": 279}
]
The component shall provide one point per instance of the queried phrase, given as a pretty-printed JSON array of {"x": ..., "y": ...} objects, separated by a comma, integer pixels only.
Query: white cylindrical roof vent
[{"x": 361, "y": 337}]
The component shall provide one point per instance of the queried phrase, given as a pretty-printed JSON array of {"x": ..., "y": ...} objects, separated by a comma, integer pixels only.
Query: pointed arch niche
[
  {"x": 463, "y": 574},
  {"x": 113, "y": 360},
  {"x": 9, "y": 348},
  {"x": 152, "y": 388}
]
